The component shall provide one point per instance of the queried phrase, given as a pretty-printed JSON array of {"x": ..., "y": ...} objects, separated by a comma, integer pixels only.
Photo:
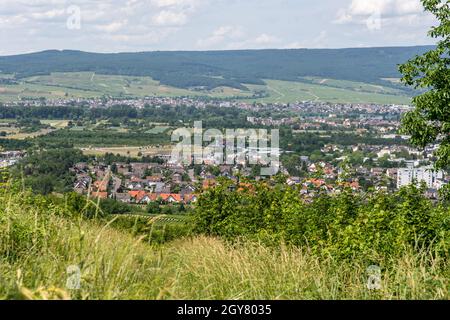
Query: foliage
[
  {"x": 429, "y": 121},
  {"x": 154, "y": 208},
  {"x": 47, "y": 171},
  {"x": 345, "y": 225},
  {"x": 8, "y": 144},
  {"x": 103, "y": 138}
]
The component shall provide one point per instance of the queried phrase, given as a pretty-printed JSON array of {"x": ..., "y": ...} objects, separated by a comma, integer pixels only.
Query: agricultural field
[
  {"x": 356, "y": 86},
  {"x": 17, "y": 92},
  {"x": 158, "y": 130},
  {"x": 57, "y": 124},
  {"x": 15, "y": 133},
  {"x": 22, "y": 135},
  {"x": 92, "y": 85},
  {"x": 333, "y": 91},
  {"x": 127, "y": 151},
  {"x": 100, "y": 85}
]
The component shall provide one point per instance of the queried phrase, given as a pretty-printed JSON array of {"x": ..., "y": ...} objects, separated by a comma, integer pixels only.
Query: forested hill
[{"x": 222, "y": 68}]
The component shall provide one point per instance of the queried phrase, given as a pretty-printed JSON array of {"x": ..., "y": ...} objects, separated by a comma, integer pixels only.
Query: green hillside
[
  {"x": 215, "y": 69},
  {"x": 92, "y": 85}
]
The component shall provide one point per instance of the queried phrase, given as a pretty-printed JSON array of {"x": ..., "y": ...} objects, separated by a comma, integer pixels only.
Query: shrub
[{"x": 346, "y": 224}]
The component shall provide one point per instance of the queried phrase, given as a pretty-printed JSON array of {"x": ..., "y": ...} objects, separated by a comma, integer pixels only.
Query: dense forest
[{"x": 222, "y": 68}]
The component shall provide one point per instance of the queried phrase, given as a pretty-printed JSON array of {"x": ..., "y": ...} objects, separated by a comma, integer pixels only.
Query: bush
[
  {"x": 89, "y": 208},
  {"x": 153, "y": 208},
  {"x": 345, "y": 225}
]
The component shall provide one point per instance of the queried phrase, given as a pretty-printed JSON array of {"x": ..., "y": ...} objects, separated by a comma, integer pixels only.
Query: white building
[{"x": 432, "y": 178}]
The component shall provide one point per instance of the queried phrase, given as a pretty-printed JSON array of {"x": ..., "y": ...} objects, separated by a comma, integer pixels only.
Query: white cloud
[
  {"x": 170, "y": 18},
  {"x": 236, "y": 37},
  {"x": 220, "y": 35},
  {"x": 48, "y": 15},
  {"x": 104, "y": 25},
  {"x": 265, "y": 39},
  {"x": 140, "y": 25},
  {"x": 359, "y": 10},
  {"x": 318, "y": 42},
  {"x": 112, "y": 27},
  {"x": 176, "y": 3},
  {"x": 12, "y": 21}
]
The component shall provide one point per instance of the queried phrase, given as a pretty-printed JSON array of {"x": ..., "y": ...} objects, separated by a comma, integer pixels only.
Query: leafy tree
[
  {"x": 47, "y": 171},
  {"x": 429, "y": 122},
  {"x": 186, "y": 177},
  {"x": 114, "y": 168}
]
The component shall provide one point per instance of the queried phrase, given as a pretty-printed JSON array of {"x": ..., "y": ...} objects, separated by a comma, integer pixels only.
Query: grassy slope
[
  {"x": 334, "y": 91},
  {"x": 38, "y": 243},
  {"x": 89, "y": 85}
]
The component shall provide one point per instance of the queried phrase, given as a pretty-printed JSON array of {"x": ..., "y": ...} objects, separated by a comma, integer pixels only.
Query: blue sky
[{"x": 144, "y": 25}]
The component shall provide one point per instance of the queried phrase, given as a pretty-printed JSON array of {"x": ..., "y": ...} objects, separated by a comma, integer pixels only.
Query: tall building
[{"x": 408, "y": 176}]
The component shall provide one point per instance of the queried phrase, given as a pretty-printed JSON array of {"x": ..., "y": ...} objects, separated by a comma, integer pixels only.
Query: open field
[
  {"x": 128, "y": 151},
  {"x": 286, "y": 91},
  {"x": 91, "y": 85},
  {"x": 158, "y": 130},
  {"x": 22, "y": 135},
  {"x": 106, "y": 84},
  {"x": 355, "y": 86},
  {"x": 14, "y": 132},
  {"x": 57, "y": 124},
  {"x": 35, "y": 91}
]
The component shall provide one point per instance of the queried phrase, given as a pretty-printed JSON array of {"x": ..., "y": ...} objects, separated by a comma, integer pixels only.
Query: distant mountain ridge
[{"x": 211, "y": 69}]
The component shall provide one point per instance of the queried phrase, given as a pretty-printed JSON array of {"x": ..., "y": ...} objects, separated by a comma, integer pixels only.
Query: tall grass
[
  {"x": 211, "y": 269},
  {"x": 38, "y": 242}
]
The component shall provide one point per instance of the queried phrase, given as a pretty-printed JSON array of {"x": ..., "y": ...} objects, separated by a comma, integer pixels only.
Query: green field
[
  {"x": 127, "y": 151},
  {"x": 91, "y": 85},
  {"x": 158, "y": 130},
  {"x": 334, "y": 91}
]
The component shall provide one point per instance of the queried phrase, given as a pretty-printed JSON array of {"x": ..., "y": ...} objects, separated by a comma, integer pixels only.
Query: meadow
[
  {"x": 127, "y": 151},
  {"x": 42, "y": 242},
  {"x": 15, "y": 133}
]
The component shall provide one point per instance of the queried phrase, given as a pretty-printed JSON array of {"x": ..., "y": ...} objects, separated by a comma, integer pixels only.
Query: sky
[{"x": 150, "y": 25}]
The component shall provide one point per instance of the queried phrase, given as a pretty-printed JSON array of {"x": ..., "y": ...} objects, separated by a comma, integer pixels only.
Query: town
[{"x": 384, "y": 162}]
